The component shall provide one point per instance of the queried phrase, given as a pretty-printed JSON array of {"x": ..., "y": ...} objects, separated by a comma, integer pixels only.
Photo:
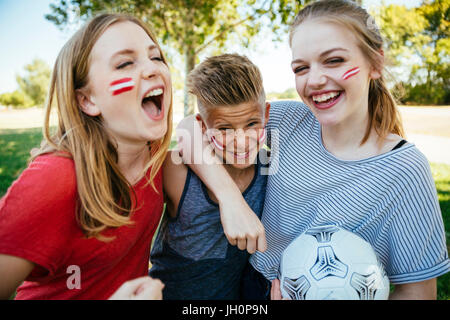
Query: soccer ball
[{"x": 330, "y": 263}]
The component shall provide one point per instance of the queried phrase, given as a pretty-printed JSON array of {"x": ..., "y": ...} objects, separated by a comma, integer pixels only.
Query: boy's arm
[
  {"x": 240, "y": 224},
  {"x": 174, "y": 178}
]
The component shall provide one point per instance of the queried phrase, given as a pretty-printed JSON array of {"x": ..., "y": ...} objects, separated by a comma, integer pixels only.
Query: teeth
[
  {"x": 241, "y": 155},
  {"x": 325, "y": 97},
  {"x": 155, "y": 92}
]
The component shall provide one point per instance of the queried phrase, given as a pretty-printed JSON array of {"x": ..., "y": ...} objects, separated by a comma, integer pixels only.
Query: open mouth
[
  {"x": 241, "y": 155},
  {"x": 152, "y": 103},
  {"x": 326, "y": 100}
]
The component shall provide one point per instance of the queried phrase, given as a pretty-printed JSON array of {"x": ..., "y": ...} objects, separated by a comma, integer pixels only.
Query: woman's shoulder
[
  {"x": 285, "y": 107},
  {"x": 409, "y": 167},
  {"x": 287, "y": 114},
  {"x": 49, "y": 174},
  {"x": 59, "y": 167}
]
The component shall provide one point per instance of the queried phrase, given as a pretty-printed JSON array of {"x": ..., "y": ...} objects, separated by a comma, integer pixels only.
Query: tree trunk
[{"x": 188, "y": 99}]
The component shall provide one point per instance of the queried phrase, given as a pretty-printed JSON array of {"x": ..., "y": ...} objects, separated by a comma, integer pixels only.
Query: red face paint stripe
[
  {"x": 218, "y": 145},
  {"x": 116, "y": 92},
  {"x": 350, "y": 73},
  {"x": 120, "y": 81},
  {"x": 262, "y": 137},
  {"x": 121, "y": 85}
]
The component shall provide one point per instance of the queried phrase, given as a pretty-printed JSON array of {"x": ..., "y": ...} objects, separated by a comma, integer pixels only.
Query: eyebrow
[
  {"x": 321, "y": 55},
  {"x": 130, "y": 51}
]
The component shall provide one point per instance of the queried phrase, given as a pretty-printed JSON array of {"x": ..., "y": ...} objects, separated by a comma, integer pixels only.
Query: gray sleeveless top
[{"x": 191, "y": 254}]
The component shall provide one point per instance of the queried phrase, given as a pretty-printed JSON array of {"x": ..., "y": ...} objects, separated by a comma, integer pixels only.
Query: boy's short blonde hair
[{"x": 225, "y": 80}]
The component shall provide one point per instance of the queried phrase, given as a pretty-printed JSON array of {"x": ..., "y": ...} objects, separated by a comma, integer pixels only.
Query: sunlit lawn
[{"x": 15, "y": 146}]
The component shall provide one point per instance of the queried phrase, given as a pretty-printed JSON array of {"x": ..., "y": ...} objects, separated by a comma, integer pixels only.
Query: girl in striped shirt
[{"x": 341, "y": 158}]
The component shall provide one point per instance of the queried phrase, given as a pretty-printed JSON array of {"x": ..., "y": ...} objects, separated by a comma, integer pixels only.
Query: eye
[
  {"x": 125, "y": 64},
  {"x": 157, "y": 58},
  {"x": 335, "y": 60},
  {"x": 299, "y": 69},
  {"x": 251, "y": 124}
]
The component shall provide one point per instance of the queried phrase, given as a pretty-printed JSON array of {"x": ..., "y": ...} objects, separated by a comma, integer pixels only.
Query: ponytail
[{"x": 384, "y": 116}]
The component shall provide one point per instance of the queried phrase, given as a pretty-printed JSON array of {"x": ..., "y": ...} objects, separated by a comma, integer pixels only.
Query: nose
[
  {"x": 316, "y": 77},
  {"x": 149, "y": 69},
  {"x": 240, "y": 140}
]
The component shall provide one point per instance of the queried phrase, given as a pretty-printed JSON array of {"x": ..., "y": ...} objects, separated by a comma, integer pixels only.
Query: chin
[
  {"x": 242, "y": 164},
  {"x": 327, "y": 119},
  {"x": 156, "y": 132}
]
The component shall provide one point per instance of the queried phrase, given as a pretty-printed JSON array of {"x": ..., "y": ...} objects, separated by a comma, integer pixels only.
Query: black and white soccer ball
[{"x": 330, "y": 263}]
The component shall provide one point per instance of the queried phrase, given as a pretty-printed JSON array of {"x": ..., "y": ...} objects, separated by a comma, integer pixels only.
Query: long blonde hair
[
  {"x": 105, "y": 197},
  {"x": 384, "y": 116}
]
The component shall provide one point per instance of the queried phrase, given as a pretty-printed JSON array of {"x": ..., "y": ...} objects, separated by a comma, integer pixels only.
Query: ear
[
  {"x": 376, "y": 72},
  {"x": 266, "y": 114},
  {"x": 199, "y": 118},
  {"x": 86, "y": 104}
]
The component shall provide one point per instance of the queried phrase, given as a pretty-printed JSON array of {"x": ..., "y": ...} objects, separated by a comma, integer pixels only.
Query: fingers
[
  {"x": 242, "y": 243},
  {"x": 128, "y": 289},
  {"x": 261, "y": 242},
  {"x": 251, "y": 242},
  {"x": 231, "y": 240},
  {"x": 150, "y": 290},
  {"x": 251, "y": 245}
]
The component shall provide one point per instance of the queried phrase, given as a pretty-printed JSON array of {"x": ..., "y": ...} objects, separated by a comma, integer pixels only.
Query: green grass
[
  {"x": 15, "y": 146},
  {"x": 441, "y": 175}
]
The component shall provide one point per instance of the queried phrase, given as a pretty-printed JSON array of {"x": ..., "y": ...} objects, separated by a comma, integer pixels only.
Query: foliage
[
  {"x": 15, "y": 99},
  {"x": 33, "y": 86},
  {"x": 191, "y": 26},
  {"x": 290, "y": 93},
  {"x": 35, "y": 82},
  {"x": 419, "y": 37}
]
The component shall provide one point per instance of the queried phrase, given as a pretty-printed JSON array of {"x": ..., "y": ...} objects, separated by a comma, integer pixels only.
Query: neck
[
  {"x": 239, "y": 174},
  {"x": 344, "y": 139},
  {"x": 132, "y": 159}
]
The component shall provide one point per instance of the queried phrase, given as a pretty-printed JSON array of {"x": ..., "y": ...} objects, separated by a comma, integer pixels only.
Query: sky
[{"x": 26, "y": 34}]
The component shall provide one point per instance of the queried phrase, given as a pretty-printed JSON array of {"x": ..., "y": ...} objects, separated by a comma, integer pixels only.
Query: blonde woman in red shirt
[{"x": 78, "y": 222}]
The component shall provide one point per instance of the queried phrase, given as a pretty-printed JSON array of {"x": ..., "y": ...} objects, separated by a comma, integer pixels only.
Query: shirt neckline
[{"x": 331, "y": 156}]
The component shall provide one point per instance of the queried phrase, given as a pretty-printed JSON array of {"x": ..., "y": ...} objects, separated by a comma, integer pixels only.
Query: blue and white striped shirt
[{"x": 389, "y": 200}]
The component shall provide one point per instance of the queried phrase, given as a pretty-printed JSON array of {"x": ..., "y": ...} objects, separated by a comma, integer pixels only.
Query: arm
[
  {"x": 174, "y": 178},
  {"x": 240, "y": 224},
  {"x": 424, "y": 290},
  {"x": 13, "y": 271}
]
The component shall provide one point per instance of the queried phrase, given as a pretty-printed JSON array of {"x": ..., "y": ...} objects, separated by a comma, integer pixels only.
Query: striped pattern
[
  {"x": 350, "y": 73},
  {"x": 389, "y": 200},
  {"x": 121, "y": 85},
  {"x": 217, "y": 144}
]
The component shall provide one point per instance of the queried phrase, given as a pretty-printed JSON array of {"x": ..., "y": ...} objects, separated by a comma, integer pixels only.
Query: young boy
[{"x": 191, "y": 254}]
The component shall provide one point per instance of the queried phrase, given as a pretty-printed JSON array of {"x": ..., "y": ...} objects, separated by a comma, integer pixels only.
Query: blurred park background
[{"x": 416, "y": 36}]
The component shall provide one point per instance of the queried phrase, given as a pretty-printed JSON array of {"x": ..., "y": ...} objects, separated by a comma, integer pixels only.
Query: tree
[
  {"x": 35, "y": 82},
  {"x": 421, "y": 36},
  {"x": 190, "y": 26},
  {"x": 15, "y": 99}
]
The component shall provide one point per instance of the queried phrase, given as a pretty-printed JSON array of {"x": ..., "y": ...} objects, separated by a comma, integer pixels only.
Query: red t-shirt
[{"x": 38, "y": 223}]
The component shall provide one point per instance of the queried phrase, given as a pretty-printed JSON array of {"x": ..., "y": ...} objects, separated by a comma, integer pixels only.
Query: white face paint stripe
[
  {"x": 350, "y": 73},
  {"x": 220, "y": 147},
  {"x": 263, "y": 136},
  {"x": 121, "y": 85}
]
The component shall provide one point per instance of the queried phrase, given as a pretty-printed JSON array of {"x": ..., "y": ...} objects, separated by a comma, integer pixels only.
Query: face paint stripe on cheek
[
  {"x": 350, "y": 73},
  {"x": 216, "y": 143},
  {"x": 121, "y": 85},
  {"x": 262, "y": 137}
]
